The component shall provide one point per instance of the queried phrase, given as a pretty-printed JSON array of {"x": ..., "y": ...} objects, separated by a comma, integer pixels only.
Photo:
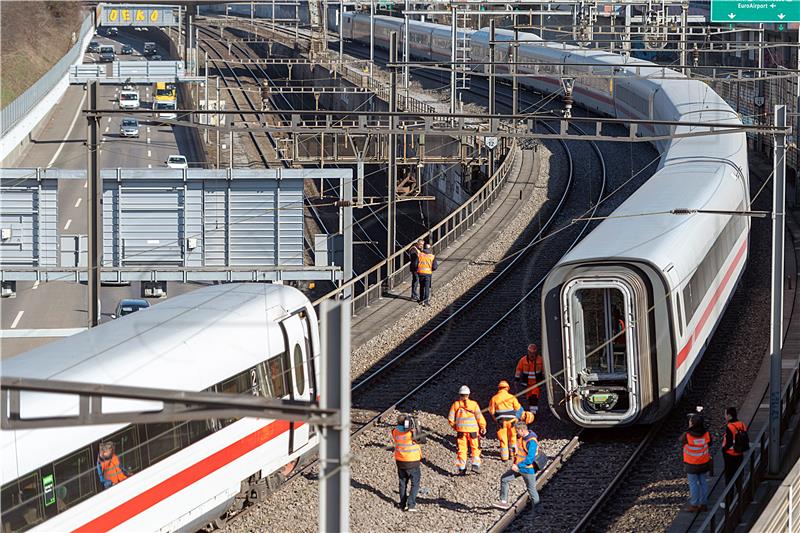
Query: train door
[{"x": 295, "y": 339}]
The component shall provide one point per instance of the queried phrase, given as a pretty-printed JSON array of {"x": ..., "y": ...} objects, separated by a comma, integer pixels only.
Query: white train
[
  {"x": 627, "y": 314},
  {"x": 237, "y": 338}
]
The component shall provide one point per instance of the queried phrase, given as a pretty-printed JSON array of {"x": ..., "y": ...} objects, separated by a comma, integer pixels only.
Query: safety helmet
[
  {"x": 503, "y": 385},
  {"x": 527, "y": 417},
  {"x": 532, "y": 348},
  {"x": 463, "y": 390}
]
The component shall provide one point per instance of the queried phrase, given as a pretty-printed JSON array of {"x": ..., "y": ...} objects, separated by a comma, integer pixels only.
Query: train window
[
  {"x": 237, "y": 384},
  {"x": 299, "y": 373},
  {"x": 279, "y": 375},
  {"x": 163, "y": 439},
  {"x": 126, "y": 446},
  {"x": 74, "y": 478},
  {"x": 22, "y": 504}
]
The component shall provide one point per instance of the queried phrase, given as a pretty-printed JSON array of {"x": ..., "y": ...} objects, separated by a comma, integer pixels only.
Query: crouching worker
[{"x": 524, "y": 466}]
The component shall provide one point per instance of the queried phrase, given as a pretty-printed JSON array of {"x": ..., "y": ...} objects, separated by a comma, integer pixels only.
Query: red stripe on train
[
  {"x": 684, "y": 353},
  {"x": 184, "y": 478}
]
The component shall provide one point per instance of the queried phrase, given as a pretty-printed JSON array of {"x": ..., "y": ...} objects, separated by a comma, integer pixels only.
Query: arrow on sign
[
  {"x": 781, "y": 16},
  {"x": 731, "y": 16},
  {"x": 772, "y": 6}
]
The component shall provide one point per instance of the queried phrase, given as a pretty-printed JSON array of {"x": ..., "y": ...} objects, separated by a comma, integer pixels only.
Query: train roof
[{"x": 189, "y": 342}]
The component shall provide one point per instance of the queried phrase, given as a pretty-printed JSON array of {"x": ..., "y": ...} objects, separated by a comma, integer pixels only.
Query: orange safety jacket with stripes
[
  {"x": 504, "y": 406},
  {"x": 529, "y": 372},
  {"x": 733, "y": 428},
  {"x": 695, "y": 449},
  {"x": 110, "y": 471},
  {"x": 405, "y": 449},
  {"x": 465, "y": 417},
  {"x": 425, "y": 263}
]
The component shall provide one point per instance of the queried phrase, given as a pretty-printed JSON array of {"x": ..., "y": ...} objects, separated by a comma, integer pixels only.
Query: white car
[
  {"x": 165, "y": 109},
  {"x": 177, "y": 161},
  {"x": 129, "y": 99}
]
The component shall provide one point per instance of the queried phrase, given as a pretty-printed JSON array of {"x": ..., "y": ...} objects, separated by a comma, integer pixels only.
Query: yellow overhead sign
[{"x": 137, "y": 15}]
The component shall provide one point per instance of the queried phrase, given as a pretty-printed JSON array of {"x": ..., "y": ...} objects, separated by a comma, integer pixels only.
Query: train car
[
  {"x": 627, "y": 314},
  {"x": 256, "y": 339}
]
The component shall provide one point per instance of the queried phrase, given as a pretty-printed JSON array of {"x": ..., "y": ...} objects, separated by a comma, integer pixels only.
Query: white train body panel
[
  {"x": 194, "y": 342},
  {"x": 673, "y": 274}
]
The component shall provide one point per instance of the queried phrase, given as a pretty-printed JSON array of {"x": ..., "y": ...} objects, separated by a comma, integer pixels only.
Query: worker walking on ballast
[
  {"x": 524, "y": 466},
  {"x": 408, "y": 455},
  {"x": 529, "y": 373},
  {"x": 504, "y": 407},
  {"x": 466, "y": 418}
]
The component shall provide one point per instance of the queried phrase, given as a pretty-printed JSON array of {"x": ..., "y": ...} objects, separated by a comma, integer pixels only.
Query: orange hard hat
[
  {"x": 527, "y": 417},
  {"x": 532, "y": 348},
  {"x": 503, "y": 385}
]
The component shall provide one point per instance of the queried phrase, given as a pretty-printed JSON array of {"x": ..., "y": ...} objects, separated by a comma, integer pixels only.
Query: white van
[
  {"x": 129, "y": 99},
  {"x": 165, "y": 109}
]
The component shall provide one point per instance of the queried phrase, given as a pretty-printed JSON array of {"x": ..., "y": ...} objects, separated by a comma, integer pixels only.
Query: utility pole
[
  {"x": 684, "y": 23},
  {"x": 94, "y": 189},
  {"x": 453, "y": 38},
  {"x": 514, "y": 82},
  {"x": 218, "y": 124},
  {"x": 492, "y": 121},
  {"x": 341, "y": 37},
  {"x": 371, "y": 36},
  {"x": 776, "y": 313},
  {"x": 406, "y": 81},
  {"x": 391, "y": 185},
  {"x": 334, "y": 447}
]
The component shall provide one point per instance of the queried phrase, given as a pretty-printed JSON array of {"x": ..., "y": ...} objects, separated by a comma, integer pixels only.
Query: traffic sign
[
  {"x": 491, "y": 142},
  {"x": 768, "y": 11}
]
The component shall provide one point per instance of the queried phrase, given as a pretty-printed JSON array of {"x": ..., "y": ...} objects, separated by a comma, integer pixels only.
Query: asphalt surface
[{"x": 42, "y": 312}]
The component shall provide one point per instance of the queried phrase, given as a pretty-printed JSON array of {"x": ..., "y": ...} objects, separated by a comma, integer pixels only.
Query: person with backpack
[{"x": 735, "y": 443}]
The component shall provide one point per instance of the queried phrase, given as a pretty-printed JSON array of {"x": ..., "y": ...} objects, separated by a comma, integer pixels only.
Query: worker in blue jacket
[{"x": 524, "y": 466}]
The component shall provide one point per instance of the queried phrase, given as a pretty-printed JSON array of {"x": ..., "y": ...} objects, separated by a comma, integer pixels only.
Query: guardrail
[
  {"x": 394, "y": 269},
  {"x": 740, "y": 491},
  {"x": 783, "y": 511},
  {"x": 19, "y": 108}
]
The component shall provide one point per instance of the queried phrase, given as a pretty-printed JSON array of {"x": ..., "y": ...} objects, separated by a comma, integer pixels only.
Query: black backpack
[{"x": 741, "y": 441}]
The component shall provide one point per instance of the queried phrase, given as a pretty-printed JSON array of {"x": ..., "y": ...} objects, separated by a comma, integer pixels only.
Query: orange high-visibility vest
[
  {"x": 111, "y": 469},
  {"x": 522, "y": 446},
  {"x": 405, "y": 449},
  {"x": 695, "y": 451},
  {"x": 425, "y": 263},
  {"x": 504, "y": 406},
  {"x": 466, "y": 417},
  {"x": 734, "y": 428},
  {"x": 527, "y": 370}
]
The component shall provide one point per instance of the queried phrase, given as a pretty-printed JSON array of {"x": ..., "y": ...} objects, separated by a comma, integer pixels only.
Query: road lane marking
[
  {"x": 66, "y": 226},
  {"x": 85, "y": 184},
  {"x": 148, "y": 129},
  {"x": 109, "y": 119},
  {"x": 16, "y": 320},
  {"x": 149, "y": 154},
  {"x": 69, "y": 132},
  {"x": 35, "y": 285},
  {"x": 78, "y": 201},
  {"x": 148, "y": 140},
  {"x": 32, "y": 333},
  {"x": 149, "y": 165},
  {"x": 107, "y": 128}
]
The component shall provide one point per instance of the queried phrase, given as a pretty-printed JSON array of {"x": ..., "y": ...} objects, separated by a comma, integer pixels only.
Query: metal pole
[
  {"x": 94, "y": 189},
  {"x": 684, "y": 23},
  {"x": 334, "y": 446},
  {"x": 391, "y": 185},
  {"x": 776, "y": 314},
  {"x": 453, "y": 37},
  {"x": 217, "y": 124},
  {"x": 346, "y": 229},
  {"x": 371, "y": 36},
  {"x": 230, "y": 149},
  {"x": 797, "y": 130},
  {"x": 406, "y": 80},
  {"x": 514, "y": 83},
  {"x": 626, "y": 46},
  {"x": 492, "y": 122},
  {"x": 205, "y": 94},
  {"x": 341, "y": 37}
]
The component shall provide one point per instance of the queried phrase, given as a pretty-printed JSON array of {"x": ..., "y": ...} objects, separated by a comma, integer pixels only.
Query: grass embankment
[{"x": 34, "y": 35}]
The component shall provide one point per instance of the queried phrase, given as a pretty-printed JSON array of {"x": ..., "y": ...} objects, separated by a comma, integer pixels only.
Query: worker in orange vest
[
  {"x": 408, "y": 455},
  {"x": 734, "y": 444},
  {"x": 529, "y": 372},
  {"x": 466, "y": 418},
  {"x": 696, "y": 443},
  {"x": 426, "y": 264},
  {"x": 108, "y": 467},
  {"x": 504, "y": 407}
]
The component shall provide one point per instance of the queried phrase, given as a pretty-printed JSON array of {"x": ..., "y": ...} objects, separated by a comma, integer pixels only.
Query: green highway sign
[{"x": 747, "y": 11}]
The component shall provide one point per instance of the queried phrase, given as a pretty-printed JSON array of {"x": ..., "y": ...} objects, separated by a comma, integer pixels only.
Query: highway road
[{"x": 42, "y": 312}]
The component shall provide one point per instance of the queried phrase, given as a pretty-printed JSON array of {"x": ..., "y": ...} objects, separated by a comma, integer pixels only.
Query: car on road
[
  {"x": 113, "y": 30},
  {"x": 129, "y": 127},
  {"x": 149, "y": 48},
  {"x": 156, "y": 57},
  {"x": 126, "y": 50},
  {"x": 107, "y": 53},
  {"x": 130, "y": 305},
  {"x": 129, "y": 99},
  {"x": 177, "y": 161},
  {"x": 93, "y": 47},
  {"x": 165, "y": 109}
]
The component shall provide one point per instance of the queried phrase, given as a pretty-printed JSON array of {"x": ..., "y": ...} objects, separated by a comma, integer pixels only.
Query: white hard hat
[{"x": 463, "y": 390}]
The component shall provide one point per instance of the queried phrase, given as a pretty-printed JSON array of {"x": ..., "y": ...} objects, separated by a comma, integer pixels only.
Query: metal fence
[
  {"x": 782, "y": 514},
  {"x": 369, "y": 286},
  {"x": 16, "y": 110}
]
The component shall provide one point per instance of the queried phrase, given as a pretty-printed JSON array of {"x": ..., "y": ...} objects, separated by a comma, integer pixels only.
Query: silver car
[{"x": 129, "y": 127}]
